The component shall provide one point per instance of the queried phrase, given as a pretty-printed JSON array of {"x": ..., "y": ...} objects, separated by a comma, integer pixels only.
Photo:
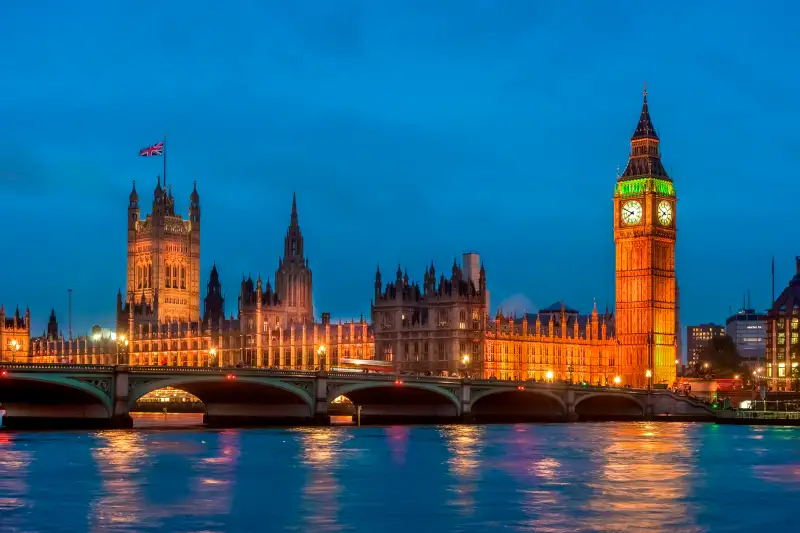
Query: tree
[{"x": 723, "y": 359}]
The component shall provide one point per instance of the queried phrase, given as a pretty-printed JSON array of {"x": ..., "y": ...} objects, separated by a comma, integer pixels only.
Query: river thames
[{"x": 554, "y": 478}]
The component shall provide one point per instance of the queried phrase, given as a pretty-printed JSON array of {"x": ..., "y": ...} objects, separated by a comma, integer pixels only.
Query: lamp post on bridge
[{"x": 649, "y": 376}]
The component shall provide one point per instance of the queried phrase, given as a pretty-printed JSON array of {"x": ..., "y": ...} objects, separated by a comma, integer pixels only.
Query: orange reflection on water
[
  {"x": 123, "y": 459},
  {"x": 321, "y": 453},
  {"x": 118, "y": 459},
  {"x": 464, "y": 445},
  {"x": 643, "y": 479}
]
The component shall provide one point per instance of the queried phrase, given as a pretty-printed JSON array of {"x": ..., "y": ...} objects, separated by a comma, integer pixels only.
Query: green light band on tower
[{"x": 639, "y": 186}]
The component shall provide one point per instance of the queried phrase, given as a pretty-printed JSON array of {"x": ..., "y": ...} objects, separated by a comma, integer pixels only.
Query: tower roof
[
  {"x": 645, "y": 159},
  {"x": 645, "y": 128}
]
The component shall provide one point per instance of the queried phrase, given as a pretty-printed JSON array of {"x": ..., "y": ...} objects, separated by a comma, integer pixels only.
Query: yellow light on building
[{"x": 617, "y": 380}]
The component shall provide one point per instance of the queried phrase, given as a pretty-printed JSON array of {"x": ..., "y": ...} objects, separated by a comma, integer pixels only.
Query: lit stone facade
[
  {"x": 15, "y": 334},
  {"x": 644, "y": 233},
  {"x": 99, "y": 348},
  {"x": 273, "y": 328},
  {"x": 557, "y": 344},
  {"x": 435, "y": 327},
  {"x": 164, "y": 257}
]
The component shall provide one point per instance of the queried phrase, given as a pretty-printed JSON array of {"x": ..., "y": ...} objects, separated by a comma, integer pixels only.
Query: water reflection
[
  {"x": 398, "y": 443},
  {"x": 125, "y": 461},
  {"x": 321, "y": 452},
  {"x": 119, "y": 459},
  {"x": 553, "y": 477},
  {"x": 464, "y": 447},
  {"x": 645, "y": 471},
  {"x": 14, "y": 465}
]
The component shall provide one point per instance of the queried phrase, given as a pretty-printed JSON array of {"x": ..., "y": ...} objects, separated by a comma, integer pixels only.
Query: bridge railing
[
  {"x": 376, "y": 376},
  {"x": 56, "y": 366},
  {"x": 220, "y": 370}
]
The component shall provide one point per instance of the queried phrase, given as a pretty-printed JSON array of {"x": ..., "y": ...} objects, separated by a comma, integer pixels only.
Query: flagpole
[{"x": 165, "y": 162}]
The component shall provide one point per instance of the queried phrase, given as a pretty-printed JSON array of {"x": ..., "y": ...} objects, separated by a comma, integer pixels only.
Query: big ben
[{"x": 644, "y": 234}]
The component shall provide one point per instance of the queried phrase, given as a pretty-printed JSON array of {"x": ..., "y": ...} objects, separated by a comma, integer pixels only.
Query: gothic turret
[
  {"x": 194, "y": 208},
  {"x": 214, "y": 301},
  {"x": 52, "y": 326},
  {"x": 133, "y": 208}
]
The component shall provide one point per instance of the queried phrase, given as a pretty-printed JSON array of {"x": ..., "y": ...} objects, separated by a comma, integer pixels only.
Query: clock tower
[{"x": 644, "y": 234}]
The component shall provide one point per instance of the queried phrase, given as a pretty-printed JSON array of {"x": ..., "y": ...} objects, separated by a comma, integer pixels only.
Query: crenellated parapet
[{"x": 558, "y": 342}]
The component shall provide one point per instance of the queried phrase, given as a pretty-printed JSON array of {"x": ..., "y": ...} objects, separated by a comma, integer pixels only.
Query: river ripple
[{"x": 607, "y": 477}]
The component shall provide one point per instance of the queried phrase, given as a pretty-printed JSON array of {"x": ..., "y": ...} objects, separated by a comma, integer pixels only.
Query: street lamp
[
  {"x": 15, "y": 346},
  {"x": 121, "y": 340},
  {"x": 617, "y": 380},
  {"x": 213, "y": 353},
  {"x": 648, "y": 375},
  {"x": 465, "y": 363},
  {"x": 549, "y": 376},
  {"x": 321, "y": 354}
]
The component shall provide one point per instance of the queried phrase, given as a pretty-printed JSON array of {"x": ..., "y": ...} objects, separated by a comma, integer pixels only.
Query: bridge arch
[
  {"x": 203, "y": 387},
  {"x": 550, "y": 396},
  {"x": 609, "y": 405},
  {"x": 73, "y": 396},
  {"x": 387, "y": 400}
]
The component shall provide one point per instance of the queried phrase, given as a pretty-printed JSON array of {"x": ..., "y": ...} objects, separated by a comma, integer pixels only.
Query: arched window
[
  {"x": 168, "y": 277},
  {"x": 183, "y": 277}
]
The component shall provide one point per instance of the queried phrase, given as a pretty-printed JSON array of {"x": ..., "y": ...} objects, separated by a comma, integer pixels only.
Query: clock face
[
  {"x": 631, "y": 212},
  {"x": 665, "y": 213}
]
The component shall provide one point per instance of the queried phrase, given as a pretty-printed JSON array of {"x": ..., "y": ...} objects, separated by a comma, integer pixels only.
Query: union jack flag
[{"x": 156, "y": 149}]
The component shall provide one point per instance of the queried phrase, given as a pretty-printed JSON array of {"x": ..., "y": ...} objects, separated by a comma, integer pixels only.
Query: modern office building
[
  {"x": 748, "y": 329},
  {"x": 697, "y": 337}
]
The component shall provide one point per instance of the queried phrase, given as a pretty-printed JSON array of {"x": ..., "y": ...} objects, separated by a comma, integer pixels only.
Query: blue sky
[{"x": 411, "y": 130}]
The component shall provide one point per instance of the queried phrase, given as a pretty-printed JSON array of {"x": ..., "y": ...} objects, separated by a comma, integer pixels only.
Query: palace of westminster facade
[{"x": 442, "y": 326}]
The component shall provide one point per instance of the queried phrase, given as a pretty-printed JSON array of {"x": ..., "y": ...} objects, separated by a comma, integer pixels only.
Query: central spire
[
  {"x": 293, "y": 243},
  {"x": 645, "y": 128}
]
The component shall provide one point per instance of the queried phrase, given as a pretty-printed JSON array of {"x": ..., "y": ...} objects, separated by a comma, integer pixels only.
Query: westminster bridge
[{"x": 68, "y": 395}]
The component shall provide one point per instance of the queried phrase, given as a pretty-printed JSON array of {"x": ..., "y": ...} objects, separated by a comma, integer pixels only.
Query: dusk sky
[{"x": 411, "y": 130}]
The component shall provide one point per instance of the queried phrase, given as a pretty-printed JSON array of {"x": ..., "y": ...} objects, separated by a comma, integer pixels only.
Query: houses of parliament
[{"x": 441, "y": 325}]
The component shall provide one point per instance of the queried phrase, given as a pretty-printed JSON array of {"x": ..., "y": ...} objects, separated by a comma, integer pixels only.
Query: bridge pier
[
  {"x": 120, "y": 416},
  {"x": 321, "y": 416},
  {"x": 570, "y": 415}
]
